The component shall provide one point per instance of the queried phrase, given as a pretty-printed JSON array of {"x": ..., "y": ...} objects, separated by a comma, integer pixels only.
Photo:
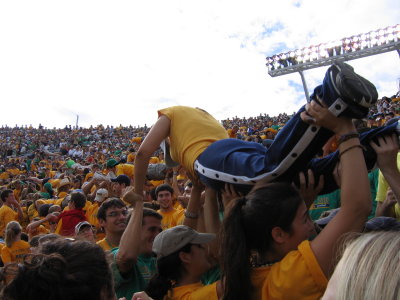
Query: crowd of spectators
[{"x": 74, "y": 185}]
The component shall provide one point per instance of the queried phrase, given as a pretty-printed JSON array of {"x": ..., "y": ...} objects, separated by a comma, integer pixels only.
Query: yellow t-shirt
[
  {"x": 91, "y": 213},
  {"x": 125, "y": 169},
  {"x": 39, "y": 230},
  {"x": 16, "y": 252},
  {"x": 193, "y": 291},
  {"x": 32, "y": 212},
  {"x": 383, "y": 187},
  {"x": 17, "y": 194},
  {"x": 192, "y": 131},
  {"x": 170, "y": 218},
  {"x": 88, "y": 176},
  {"x": 7, "y": 214},
  {"x": 105, "y": 245},
  {"x": 154, "y": 160},
  {"x": 231, "y": 134},
  {"x": 178, "y": 206},
  {"x": 297, "y": 276},
  {"x": 156, "y": 183},
  {"x": 131, "y": 157},
  {"x": 4, "y": 175}
]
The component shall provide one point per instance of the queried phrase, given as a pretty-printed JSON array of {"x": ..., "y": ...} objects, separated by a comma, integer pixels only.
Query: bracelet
[
  {"x": 348, "y": 136},
  {"x": 175, "y": 173},
  {"x": 351, "y": 147},
  {"x": 191, "y": 215}
]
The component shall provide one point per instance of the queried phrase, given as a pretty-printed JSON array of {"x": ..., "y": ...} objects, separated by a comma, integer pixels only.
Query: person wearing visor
[{"x": 181, "y": 261}]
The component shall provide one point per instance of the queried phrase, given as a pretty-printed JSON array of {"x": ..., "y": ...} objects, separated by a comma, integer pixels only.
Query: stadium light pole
[{"x": 357, "y": 46}]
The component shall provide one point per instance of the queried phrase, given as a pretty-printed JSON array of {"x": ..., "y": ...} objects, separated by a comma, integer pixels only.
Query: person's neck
[
  {"x": 268, "y": 258},
  {"x": 113, "y": 238},
  {"x": 188, "y": 279},
  {"x": 167, "y": 210}
]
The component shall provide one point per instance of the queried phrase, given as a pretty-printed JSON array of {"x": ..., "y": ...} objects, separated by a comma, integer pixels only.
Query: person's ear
[
  {"x": 185, "y": 257},
  {"x": 278, "y": 235},
  {"x": 102, "y": 222}
]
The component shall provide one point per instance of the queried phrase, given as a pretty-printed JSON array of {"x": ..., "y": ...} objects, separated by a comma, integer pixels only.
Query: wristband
[
  {"x": 191, "y": 215},
  {"x": 346, "y": 137}
]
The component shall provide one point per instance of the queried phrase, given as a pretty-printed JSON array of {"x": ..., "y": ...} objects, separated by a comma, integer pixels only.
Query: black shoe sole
[{"x": 352, "y": 87}]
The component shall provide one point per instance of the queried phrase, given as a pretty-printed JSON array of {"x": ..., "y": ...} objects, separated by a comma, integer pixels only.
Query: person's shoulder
[{"x": 23, "y": 244}]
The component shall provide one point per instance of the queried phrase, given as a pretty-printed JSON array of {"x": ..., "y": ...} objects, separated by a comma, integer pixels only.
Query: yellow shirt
[
  {"x": 7, "y": 214},
  {"x": 16, "y": 252},
  {"x": 383, "y": 187},
  {"x": 192, "y": 131},
  {"x": 170, "y": 218},
  {"x": 297, "y": 276},
  {"x": 91, "y": 214},
  {"x": 125, "y": 169},
  {"x": 131, "y": 157},
  {"x": 193, "y": 291},
  {"x": 32, "y": 212},
  {"x": 106, "y": 245},
  {"x": 231, "y": 134},
  {"x": 4, "y": 175},
  {"x": 38, "y": 230},
  {"x": 17, "y": 194},
  {"x": 154, "y": 160}
]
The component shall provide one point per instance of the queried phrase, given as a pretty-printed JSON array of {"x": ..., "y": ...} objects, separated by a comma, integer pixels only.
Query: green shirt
[
  {"x": 128, "y": 284},
  {"x": 324, "y": 203},
  {"x": 211, "y": 276}
]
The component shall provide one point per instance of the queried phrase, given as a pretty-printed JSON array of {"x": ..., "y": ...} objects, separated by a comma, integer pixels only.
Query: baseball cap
[
  {"x": 80, "y": 225},
  {"x": 122, "y": 179},
  {"x": 382, "y": 224},
  {"x": 175, "y": 238},
  {"x": 101, "y": 195},
  {"x": 111, "y": 163}
]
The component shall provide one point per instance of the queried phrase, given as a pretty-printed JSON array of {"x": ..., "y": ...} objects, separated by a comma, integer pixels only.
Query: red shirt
[{"x": 69, "y": 220}]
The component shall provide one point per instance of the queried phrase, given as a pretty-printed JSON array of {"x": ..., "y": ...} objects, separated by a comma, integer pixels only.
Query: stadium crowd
[{"x": 72, "y": 226}]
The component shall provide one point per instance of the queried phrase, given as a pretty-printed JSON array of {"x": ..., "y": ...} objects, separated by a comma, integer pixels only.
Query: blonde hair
[
  {"x": 12, "y": 230},
  {"x": 369, "y": 268}
]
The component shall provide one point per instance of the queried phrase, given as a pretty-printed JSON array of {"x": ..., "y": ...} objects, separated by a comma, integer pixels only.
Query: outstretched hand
[
  {"x": 317, "y": 113},
  {"x": 386, "y": 150},
  {"x": 130, "y": 196},
  {"x": 307, "y": 188},
  {"x": 229, "y": 193}
]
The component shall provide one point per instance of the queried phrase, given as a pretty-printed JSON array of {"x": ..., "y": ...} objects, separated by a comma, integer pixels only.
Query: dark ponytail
[
  {"x": 235, "y": 254},
  {"x": 169, "y": 272},
  {"x": 247, "y": 228}
]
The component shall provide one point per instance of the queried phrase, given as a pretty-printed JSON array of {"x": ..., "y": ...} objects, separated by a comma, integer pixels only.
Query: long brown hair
[{"x": 247, "y": 228}]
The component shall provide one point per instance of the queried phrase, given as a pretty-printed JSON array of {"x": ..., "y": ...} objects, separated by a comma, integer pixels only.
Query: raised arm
[
  {"x": 156, "y": 135},
  {"x": 386, "y": 150},
  {"x": 355, "y": 192},
  {"x": 130, "y": 241}
]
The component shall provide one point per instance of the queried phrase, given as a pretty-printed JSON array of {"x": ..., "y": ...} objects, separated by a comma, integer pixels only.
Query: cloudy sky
[{"x": 117, "y": 62}]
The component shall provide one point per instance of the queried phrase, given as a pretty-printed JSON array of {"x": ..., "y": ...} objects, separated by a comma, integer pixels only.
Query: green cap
[{"x": 111, "y": 163}]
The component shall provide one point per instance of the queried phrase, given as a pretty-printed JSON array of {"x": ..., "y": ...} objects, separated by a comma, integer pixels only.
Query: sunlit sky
[{"x": 117, "y": 62}]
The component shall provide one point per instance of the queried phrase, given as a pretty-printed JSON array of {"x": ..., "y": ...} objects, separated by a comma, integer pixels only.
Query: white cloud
[{"x": 118, "y": 62}]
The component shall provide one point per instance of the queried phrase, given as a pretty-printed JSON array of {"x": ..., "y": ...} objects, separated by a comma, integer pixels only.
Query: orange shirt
[
  {"x": 106, "y": 245},
  {"x": 170, "y": 218},
  {"x": 193, "y": 291},
  {"x": 7, "y": 214},
  {"x": 16, "y": 252},
  {"x": 297, "y": 276}
]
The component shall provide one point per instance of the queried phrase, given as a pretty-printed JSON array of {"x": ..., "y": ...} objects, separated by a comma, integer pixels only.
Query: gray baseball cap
[{"x": 175, "y": 238}]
